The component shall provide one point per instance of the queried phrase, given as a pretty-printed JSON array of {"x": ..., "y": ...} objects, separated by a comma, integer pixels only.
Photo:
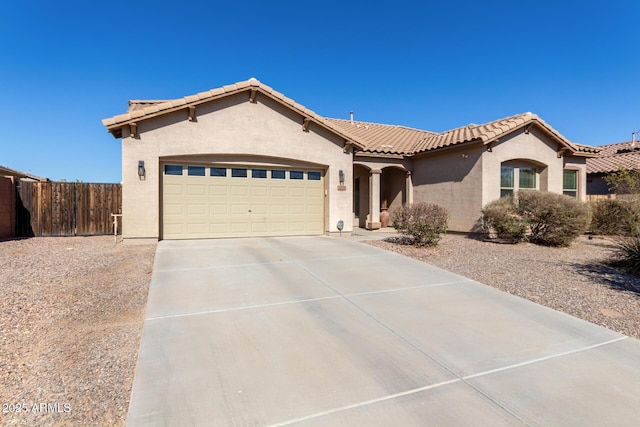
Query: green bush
[
  {"x": 554, "y": 219},
  {"x": 540, "y": 217},
  {"x": 503, "y": 218},
  {"x": 627, "y": 254},
  {"x": 423, "y": 223},
  {"x": 615, "y": 217}
]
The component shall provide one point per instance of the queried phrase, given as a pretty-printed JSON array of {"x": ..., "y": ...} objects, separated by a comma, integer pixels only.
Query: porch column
[
  {"x": 373, "y": 219},
  {"x": 409, "y": 189}
]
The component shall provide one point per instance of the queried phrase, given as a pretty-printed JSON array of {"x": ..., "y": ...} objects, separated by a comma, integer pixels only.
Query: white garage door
[{"x": 239, "y": 201}]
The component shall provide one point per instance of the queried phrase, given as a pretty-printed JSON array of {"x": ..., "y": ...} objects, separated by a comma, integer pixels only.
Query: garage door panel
[
  {"x": 239, "y": 209},
  {"x": 279, "y": 227},
  {"x": 173, "y": 189},
  {"x": 259, "y": 209},
  {"x": 259, "y": 227},
  {"x": 297, "y": 226},
  {"x": 222, "y": 205},
  {"x": 296, "y": 192},
  {"x": 174, "y": 229},
  {"x": 174, "y": 209},
  {"x": 218, "y": 228},
  {"x": 296, "y": 209},
  {"x": 279, "y": 209},
  {"x": 279, "y": 191},
  {"x": 218, "y": 209},
  {"x": 314, "y": 192},
  {"x": 195, "y": 229},
  {"x": 237, "y": 190},
  {"x": 196, "y": 190},
  {"x": 196, "y": 210},
  {"x": 218, "y": 190},
  {"x": 239, "y": 227}
]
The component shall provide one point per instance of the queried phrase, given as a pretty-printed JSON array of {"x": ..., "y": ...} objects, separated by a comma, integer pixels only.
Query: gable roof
[
  {"x": 491, "y": 132},
  {"x": 145, "y": 109},
  {"x": 371, "y": 138},
  {"x": 613, "y": 156},
  {"x": 379, "y": 139}
]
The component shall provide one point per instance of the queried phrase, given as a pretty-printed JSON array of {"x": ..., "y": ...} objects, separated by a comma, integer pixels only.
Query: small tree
[
  {"x": 421, "y": 222},
  {"x": 624, "y": 181}
]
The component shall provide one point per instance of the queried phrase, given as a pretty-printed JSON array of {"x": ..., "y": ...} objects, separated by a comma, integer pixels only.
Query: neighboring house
[
  {"x": 8, "y": 178},
  {"x": 610, "y": 159},
  {"x": 245, "y": 160}
]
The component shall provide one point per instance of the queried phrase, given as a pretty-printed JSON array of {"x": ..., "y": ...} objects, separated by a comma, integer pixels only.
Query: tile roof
[
  {"x": 489, "y": 132},
  {"x": 371, "y": 138},
  {"x": 613, "y": 156},
  {"x": 379, "y": 138},
  {"x": 400, "y": 140},
  {"x": 145, "y": 109}
]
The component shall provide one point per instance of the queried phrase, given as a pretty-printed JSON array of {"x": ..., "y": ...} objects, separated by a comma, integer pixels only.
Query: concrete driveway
[{"x": 329, "y": 331}]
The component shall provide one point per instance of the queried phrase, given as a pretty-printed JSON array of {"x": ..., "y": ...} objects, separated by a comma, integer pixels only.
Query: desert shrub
[
  {"x": 554, "y": 219},
  {"x": 627, "y": 254},
  {"x": 540, "y": 217},
  {"x": 616, "y": 217},
  {"x": 422, "y": 223},
  {"x": 503, "y": 218}
]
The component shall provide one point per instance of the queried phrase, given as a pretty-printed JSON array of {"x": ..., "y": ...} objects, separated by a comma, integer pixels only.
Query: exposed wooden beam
[
  {"x": 305, "y": 124},
  {"x": 491, "y": 144},
  {"x": 252, "y": 96},
  {"x": 347, "y": 146},
  {"x": 192, "y": 113},
  {"x": 561, "y": 151},
  {"x": 527, "y": 128},
  {"x": 133, "y": 130}
]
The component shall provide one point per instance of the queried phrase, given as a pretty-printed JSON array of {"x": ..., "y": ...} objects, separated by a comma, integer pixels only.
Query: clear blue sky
[{"x": 432, "y": 65}]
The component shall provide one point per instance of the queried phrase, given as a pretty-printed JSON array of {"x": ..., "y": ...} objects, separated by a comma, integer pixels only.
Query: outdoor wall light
[
  {"x": 341, "y": 177},
  {"x": 141, "y": 171}
]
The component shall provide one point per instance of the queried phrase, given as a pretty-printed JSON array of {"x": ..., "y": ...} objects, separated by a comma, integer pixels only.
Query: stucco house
[
  {"x": 245, "y": 160},
  {"x": 610, "y": 159}
]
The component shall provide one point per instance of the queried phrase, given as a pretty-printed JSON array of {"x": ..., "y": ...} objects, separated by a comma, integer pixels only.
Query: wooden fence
[
  {"x": 596, "y": 197},
  {"x": 66, "y": 208}
]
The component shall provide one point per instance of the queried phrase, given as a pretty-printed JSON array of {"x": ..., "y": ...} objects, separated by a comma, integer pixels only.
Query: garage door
[{"x": 237, "y": 201}]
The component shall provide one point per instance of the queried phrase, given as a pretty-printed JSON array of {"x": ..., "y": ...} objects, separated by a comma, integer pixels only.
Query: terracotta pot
[{"x": 384, "y": 218}]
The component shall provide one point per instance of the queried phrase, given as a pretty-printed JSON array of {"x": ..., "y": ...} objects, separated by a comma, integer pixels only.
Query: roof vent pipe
[
  {"x": 351, "y": 115},
  {"x": 633, "y": 138}
]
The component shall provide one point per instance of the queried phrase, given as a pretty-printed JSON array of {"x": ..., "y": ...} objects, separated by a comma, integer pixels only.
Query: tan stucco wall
[
  {"x": 452, "y": 179},
  {"x": 533, "y": 148},
  {"x": 393, "y": 184},
  {"x": 260, "y": 132},
  {"x": 363, "y": 173},
  {"x": 579, "y": 164}
]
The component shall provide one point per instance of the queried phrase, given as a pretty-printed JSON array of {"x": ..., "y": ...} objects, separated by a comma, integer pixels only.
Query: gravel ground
[
  {"x": 71, "y": 317},
  {"x": 574, "y": 280},
  {"x": 72, "y": 311}
]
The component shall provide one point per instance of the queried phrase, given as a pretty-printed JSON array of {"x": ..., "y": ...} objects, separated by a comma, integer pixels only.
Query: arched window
[{"x": 517, "y": 177}]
